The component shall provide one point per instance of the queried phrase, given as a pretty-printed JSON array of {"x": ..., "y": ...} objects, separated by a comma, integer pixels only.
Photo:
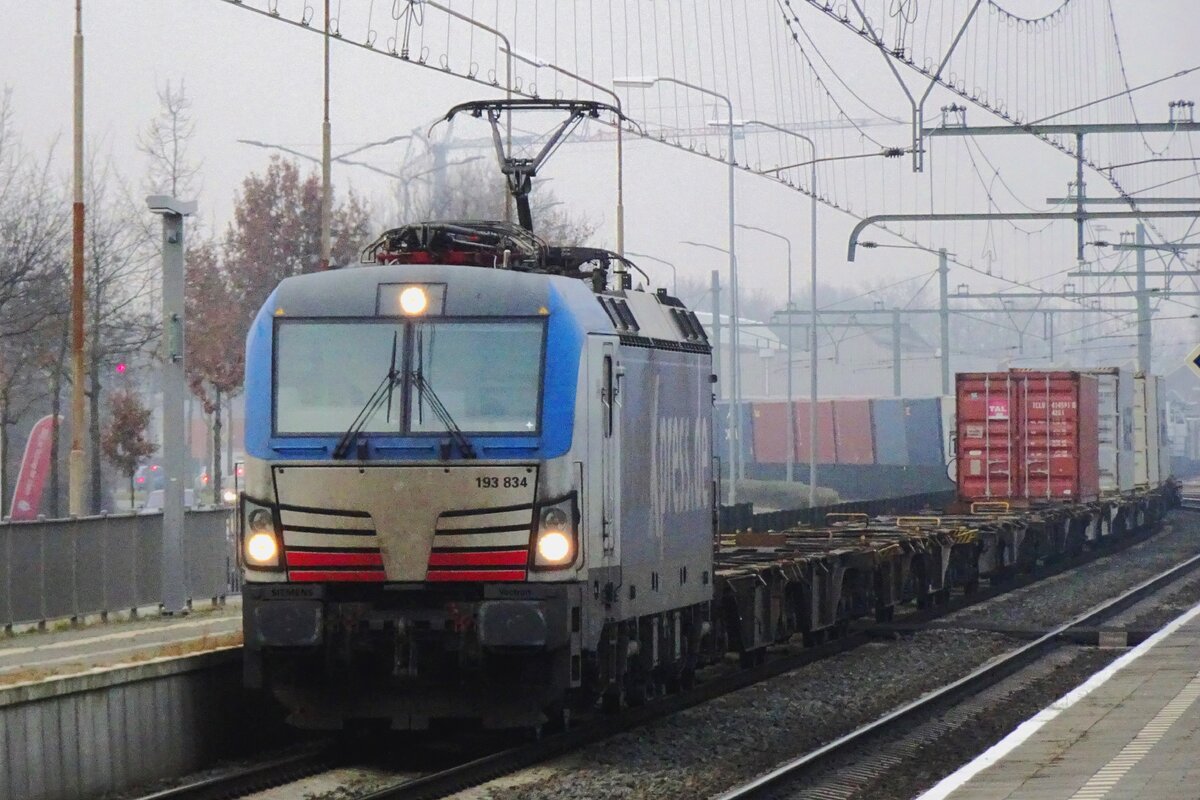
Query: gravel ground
[
  {"x": 704, "y": 750},
  {"x": 950, "y": 741},
  {"x": 708, "y": 748},
  {"x": 1052, "y": 601}
]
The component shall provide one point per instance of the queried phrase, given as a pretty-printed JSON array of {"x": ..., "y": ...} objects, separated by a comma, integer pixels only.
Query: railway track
[
  {"x": 505, "y": 761},
  {"x": 255, "y": 777},
  {"x": 889, "y": 726}
]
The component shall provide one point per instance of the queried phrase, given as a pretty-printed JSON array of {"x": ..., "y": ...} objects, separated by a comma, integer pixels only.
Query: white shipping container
[
  {"x": 1116, "y": 429},
  {"x": 1164, "y": 430},
  {"x": 1148, "y": 414},
  {"x": 949, "y": 434}
]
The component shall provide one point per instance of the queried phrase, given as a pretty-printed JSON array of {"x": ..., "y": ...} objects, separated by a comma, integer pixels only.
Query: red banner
[{"x": 35, "y": 466}]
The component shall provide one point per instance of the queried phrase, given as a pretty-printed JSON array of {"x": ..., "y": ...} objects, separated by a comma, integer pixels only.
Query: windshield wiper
[
  {"x": 464, "y": 445},
  {"x": 382, "y": 392}
]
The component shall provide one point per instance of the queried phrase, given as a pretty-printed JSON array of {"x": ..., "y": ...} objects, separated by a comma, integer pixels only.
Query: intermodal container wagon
[{"x": 1028, "y": 436}]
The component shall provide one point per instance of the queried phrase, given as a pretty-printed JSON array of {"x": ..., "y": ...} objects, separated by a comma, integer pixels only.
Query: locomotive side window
[{"x": 608, "y": 396}]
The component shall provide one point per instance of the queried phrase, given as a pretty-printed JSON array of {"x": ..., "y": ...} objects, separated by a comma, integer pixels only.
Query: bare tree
[
  {"x": 119, "y": 316},
  {"x": 166, "y": 141},
  {"x": 33, "y": 231}
]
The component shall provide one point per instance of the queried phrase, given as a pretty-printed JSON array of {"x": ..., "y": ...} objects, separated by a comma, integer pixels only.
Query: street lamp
[
  {"x": 664, "y": 262},
  {"x": 538, "y": 64},
  {"x": 812, "y": 350},
  {"x": 791, "y": 399},
  {"x": 174, "y": 389},
  {"x": 943, "y": 297},
  {"x": 735, "y": 468}
]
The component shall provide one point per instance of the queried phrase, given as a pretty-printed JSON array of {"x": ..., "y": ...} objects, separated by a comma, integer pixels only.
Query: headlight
[
  {"x": 413, "y": 300},
  {"x": 554, "y": 547},
  {"x": 260, "y": 539},
  {"x": 262, "y": 549},
  {"x": 556, "y": 544},
  {"x": 229, "y": 496}
]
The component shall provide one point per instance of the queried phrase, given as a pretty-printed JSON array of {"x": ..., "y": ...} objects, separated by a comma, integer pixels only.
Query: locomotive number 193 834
[{"x": 508, "y": 482}]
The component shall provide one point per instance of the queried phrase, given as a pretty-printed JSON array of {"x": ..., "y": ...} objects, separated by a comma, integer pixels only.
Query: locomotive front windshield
[{"x": 486, "y": 374}]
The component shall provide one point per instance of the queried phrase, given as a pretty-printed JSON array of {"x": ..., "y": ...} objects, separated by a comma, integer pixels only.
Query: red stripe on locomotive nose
[
  {"x": 307, "y": 559},
  {"x": 492, "y": 558},
  {"x": 334, "y": 576},
  {"x": 475, "y": 575}
]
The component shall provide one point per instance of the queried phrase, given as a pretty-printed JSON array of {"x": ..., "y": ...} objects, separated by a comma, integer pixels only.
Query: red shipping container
[
  {"x": 853, "y": 432},
  {"x": 1028, "y": 436},
  {"x": 770, "y": 432},
  {"x": 826, "y": 439}
]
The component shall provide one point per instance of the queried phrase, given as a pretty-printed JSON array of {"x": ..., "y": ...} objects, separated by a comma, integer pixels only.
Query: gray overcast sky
[{"x": 253, "y": 77}]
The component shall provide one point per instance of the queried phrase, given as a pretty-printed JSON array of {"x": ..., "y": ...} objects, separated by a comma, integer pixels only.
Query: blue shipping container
[
  {"x": 891, "y": 443},
  {"x": 722, "y": 434},
  {"x": 923, "y": 431}
]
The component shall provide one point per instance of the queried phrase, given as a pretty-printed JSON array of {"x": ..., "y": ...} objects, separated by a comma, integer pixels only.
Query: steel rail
[
  {"x": 480, "y": 770},
  {"x": 977, "y": 681},
  {"x": 255, "y": 778}
]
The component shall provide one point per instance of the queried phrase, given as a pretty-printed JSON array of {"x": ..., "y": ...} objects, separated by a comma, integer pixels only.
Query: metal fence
[{"x": 51, "y": 569}]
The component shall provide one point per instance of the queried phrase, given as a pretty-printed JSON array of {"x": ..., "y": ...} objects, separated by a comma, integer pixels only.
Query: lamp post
[
  {"x": 734, "y": 451},
  {"x": 664, "y": 262},
  {"x": 735, "y": 467},
  {"x": 75, "y": 468},
  {"x": 174, "y": 389},
  {"x": 943, "y": 301},
  {"x": 812, "y": 349},
  {"x": 539, "y": 64},
  {"x": 791, "y": 398}
]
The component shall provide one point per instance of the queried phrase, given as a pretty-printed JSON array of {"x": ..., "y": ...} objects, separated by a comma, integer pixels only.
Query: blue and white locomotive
[{"x": 478, "y": 484}]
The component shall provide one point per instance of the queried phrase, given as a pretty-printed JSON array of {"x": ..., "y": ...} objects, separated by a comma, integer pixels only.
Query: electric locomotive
[{"x": 479, "y": 484}]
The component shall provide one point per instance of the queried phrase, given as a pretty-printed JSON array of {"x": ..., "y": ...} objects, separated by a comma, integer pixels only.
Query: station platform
[
  {"x": 1130, "y": 731},
  {"x": 62, "y": 653}
]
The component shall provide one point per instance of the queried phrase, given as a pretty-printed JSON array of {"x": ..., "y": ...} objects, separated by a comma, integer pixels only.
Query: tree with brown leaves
[
  {"x": 276, "y": 233},
  {"x": 125, "y": 442},
  {"x": 214, "y": 341}
]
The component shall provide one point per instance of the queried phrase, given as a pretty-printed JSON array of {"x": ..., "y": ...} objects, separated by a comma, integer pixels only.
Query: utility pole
[
  {"x": 897, "y": 388},
  {"x": 944, "y": 316},
  {"x": 75, "y": 475},
  {"x": 1143, "y": 303},
  {"x": 732, "y": 408},
  {"x": 326, "y": 188},
  {"x": 174, "y": 390}
]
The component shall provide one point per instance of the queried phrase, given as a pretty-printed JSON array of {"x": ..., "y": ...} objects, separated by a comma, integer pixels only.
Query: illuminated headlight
[
  {"x": 262, "y": 549},
  {"x": 556, "y": 535},
  {"x": 414, "y": 300},
  {"x": 554, "y": 547},
  {"x": 229, "y": 496},
  {"x": 260, "y": 540}
]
